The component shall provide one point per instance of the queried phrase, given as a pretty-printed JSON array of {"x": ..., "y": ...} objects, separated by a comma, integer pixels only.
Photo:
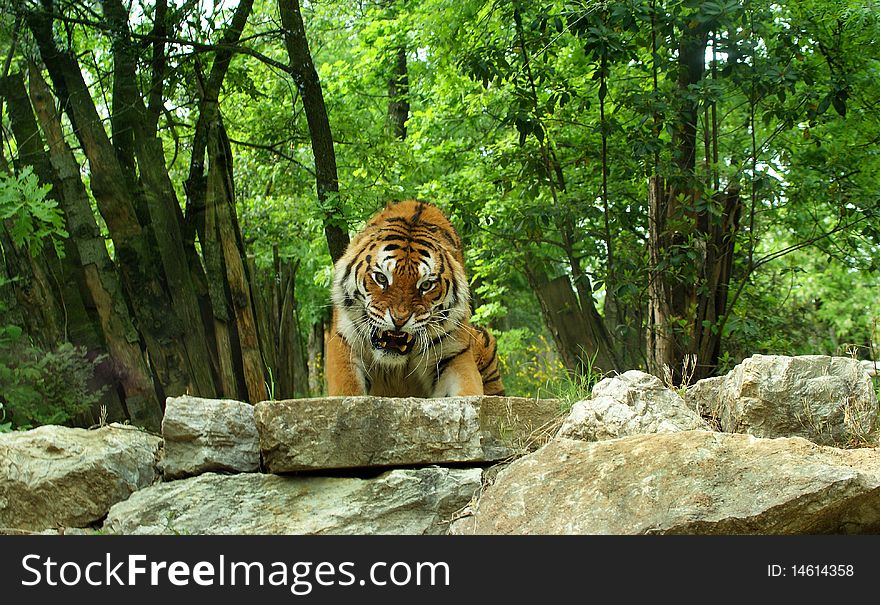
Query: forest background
[{"x": 666, "y": 185}]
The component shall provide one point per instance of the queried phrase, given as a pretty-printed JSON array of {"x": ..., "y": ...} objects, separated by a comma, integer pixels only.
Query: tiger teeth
[{"x": 409, "y": 337}]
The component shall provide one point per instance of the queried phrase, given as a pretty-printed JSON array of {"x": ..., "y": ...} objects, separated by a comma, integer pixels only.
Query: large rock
[
  {"x": 691, "y": 482},
  {"x": 704, "y": 398},
  {"x": 56, "y": 476},
  {"x": 629, "y": 404},
  {"x": 829, "y": 400},
  {"x": 412, "y": 501},
  {"x": 209, "y": 435},
  {"x": 350, "y": 432}
]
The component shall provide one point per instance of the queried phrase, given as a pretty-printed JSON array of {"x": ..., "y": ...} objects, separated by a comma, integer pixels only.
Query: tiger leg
[
  {"x": 342, "y": 376},
  {"x": 460, "y": 377}
]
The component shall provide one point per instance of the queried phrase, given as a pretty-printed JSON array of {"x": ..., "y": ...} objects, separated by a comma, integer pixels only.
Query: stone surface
[
  {"x": 704, "y": 398},
  {"x": 55, "y": 476},
  {"x": 829, "y": 400},
  {"x": 411, "y": 501},
  {"x": 208, "y": 435},
  {"x": 351, "y": 432},
  {"x": 690, "y": 482},
  {"x": 629, "y": 404}
]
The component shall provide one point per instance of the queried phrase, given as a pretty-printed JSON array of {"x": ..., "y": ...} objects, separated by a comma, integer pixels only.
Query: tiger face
[
  {"x": 401, "y": 312},
  {"x": 404, "y": 288}
]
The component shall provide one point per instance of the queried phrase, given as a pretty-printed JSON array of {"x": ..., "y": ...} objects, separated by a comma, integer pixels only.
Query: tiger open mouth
[{"x": 391, "y": 341}]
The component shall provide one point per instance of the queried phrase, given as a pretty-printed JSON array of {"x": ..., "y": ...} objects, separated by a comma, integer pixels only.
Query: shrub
[{"x": 43, "y": 387}]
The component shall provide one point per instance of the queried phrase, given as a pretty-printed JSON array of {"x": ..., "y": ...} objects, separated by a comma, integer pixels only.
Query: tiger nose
[{"x": 398, "y": 318}]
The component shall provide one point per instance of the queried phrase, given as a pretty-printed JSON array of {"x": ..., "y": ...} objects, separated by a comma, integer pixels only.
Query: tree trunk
[
  {"x": 719, "y": 234},
  {"x": 290, "y": 348},
  {"x": 660, "y": 335},
  {"x": 164, "y": 214},
  {"x": 577, "y": 332},
  {"x": 60, "y": 281},
  {"x": 122, "y": 340},
  {"x": 220, "y": 207},
  {"x": 398, "y": 95},
  {"x": 672, "y": 221},
  {"x": 166, "y": 334},
  {"x": 690, "y": 250},
  {"x": 306, "y": 78},
  {"x": 210, "y": 213},
  {"x": 316, "y": 358}
]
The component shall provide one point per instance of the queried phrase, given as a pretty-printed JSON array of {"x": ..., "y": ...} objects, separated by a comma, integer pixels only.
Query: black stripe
[
  {"x": 411, "y": 234},
  {"x": 391, "y": 248},
  {"x": 398, "y": 238},
  {"x": 492, "y": 377},
  {"x": 345, "y": 275},
  {"x": 448, "y": 234},
  {"x": 417, "y": 217},
  {"x": 422, "y": 242},
  {"x": 494, "y": 349},
  {"x": 444, "y": 363},
  {"x": 488, "y": 364},
  {"x": 393, "y": 231}
]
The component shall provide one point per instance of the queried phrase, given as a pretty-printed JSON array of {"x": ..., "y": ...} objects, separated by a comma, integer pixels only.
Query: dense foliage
[{"x": 540, "y": 128}]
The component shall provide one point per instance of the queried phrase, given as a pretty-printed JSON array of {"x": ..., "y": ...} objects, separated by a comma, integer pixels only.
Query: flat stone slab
[
  {"x": 204, "y": 435},
  {"x": 60, "y": 477},
  {"x": 352, "y": 432},
  {"x": 406, "y": 501}
]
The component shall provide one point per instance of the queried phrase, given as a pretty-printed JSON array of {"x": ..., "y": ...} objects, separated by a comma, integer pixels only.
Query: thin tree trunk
[
  {"x": 673, "y": 284},
  {"x": 316, "y": 358},
  {"x": 210, "y": 213},
  {"x": 306, "y": 78},
  {"x": 398, "y": 95},
  {"x": 221, "y": 205},
  {"x": 296, "y": 374},
  {"x": 660, "y": 344},
  {"x": 720, "y": 236}
]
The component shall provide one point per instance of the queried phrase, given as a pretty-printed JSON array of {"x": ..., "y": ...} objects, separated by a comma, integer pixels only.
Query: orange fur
[{"x": 401, "y": 312}]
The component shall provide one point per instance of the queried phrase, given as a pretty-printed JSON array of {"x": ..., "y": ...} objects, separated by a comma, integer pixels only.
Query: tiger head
[{"x": 400, "y": 288}]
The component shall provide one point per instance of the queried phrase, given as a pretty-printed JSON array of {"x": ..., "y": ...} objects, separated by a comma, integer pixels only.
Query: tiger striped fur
[{"x": 401, "y": 312}]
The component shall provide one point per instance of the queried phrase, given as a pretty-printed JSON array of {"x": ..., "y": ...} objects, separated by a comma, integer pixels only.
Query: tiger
[{"x": 401, "y": 314}]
